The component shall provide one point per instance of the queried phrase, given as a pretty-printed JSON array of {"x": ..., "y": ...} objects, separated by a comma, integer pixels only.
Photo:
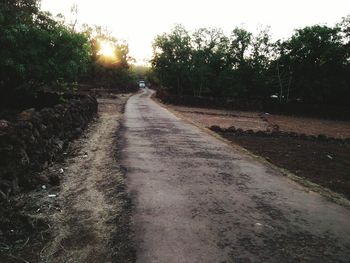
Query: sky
[{"x": 139, "y": 21}]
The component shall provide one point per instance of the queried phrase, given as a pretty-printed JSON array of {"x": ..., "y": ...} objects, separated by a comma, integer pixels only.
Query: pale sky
[{"x": 139, "y": 21}]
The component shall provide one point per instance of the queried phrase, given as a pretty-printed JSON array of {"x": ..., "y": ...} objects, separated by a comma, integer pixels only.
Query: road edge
[
  {"x": 308, "y": 185},
  {"x": 122, "y": 245}
]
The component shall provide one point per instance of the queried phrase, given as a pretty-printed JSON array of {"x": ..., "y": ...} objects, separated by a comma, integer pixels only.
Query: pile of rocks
[
  {"x": 275, "y": 132},
  {"x": 36, "y": 138}
]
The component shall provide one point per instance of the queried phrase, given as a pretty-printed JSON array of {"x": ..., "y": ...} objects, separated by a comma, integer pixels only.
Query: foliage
[
  {"x": 172, "y": 59},
  {"x": 312, "y": 65},
  {"x": 39, "y": 51},
  {"x": 317, "y": 58},
  {"x": 36, "y": 50},
  {"x": 112, "y": 71},
  {"x": 139, "y": 71}
]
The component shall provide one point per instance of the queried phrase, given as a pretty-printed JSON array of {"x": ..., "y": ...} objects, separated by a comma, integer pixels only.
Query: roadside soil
[
  {"x": 91, "y": 225},
  {"x": 323, "y": 163},
  {"x": 256, "y": 121},
  {"x": 86, "y": 218},
  {"x": 223, "y": 118},
  {"x": 311, "y": 126}
]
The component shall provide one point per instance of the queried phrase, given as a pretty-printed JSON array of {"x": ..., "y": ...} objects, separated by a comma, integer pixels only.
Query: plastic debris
[
  {"x": 43, "y": 187},
  {"x": 329, "y": 156},
  {"x": 52, "y": 195},
  {"x": 61, "y": 171}
]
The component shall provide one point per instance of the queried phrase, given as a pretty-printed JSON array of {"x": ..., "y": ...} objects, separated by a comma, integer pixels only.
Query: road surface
[{"x": 197, "y": 199}]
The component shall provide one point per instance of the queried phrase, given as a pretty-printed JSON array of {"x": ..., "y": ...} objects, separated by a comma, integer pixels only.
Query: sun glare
[{"x": 107, "y": 49}]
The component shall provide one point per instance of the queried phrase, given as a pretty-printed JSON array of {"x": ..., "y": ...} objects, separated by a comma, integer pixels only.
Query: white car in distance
[{"x": 142, "y": 84}]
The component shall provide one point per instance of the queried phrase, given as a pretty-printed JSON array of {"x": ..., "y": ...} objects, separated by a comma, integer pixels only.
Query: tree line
[
  {"x": 39, "y": 51},
  {"x": 313, "y": 65}
]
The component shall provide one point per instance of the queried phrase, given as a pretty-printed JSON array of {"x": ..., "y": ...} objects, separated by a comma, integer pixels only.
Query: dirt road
[{"x": 197, "y": 199}]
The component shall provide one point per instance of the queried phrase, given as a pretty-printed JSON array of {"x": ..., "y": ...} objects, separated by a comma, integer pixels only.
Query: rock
[
  {"x": 54, "y": 179},
  {"x": 231, "y": 129},
  {"x": 303, "y": 136},
  {"x": 24, "y": 125},
  {"x": 26, "y": 115},
  {"x": 38, "y": 137},
  {"x": 335, "y": 140},
  {"x": 43, "y": 179},
  {"x": 23, "y": 157},
  {"x": 322, "y": 137},
  {"x": 260, "y": 133},
  {"x": 4, "y": 125},
  {"x": 59, "y": 108},
  {"x": 275, "y": 128},
  {"x": 293, "y": 134},
  {"x": 250, "y": 132},
  {"x": 20, "y": 204},
  {"x": 275, "y": 133},
  {"x": 36, "y": 164},
  {"x": 312, "y": 137},
  {"x": 239, "y": 131},
  {"x": 77, "y": 132},
  {"x": 36, "y": 133},
  {"x": 44, "y": 131},
  {"x": 58, "y": 143},
  {"x": 47, "y": 114},
  {"x": 215, "y": 128}
]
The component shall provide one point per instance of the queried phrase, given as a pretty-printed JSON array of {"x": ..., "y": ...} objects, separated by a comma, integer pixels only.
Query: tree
[
  {"x": 313, "y": 65},
  {"x": 107, "y": 71},
  {"x": 317, "y": 59},
  {"x": 208, "y": 61},
  {"x": 172, "y": 59},
  {"x": 260, "y": 62},
  {"x": 240, "y": 42},
  {"x": 36, "y": 50}
]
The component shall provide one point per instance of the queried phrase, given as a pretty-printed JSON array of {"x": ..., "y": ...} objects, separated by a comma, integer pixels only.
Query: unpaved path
[
  {"x": 197, "y": 199},
  {"x": 91, "y": 224}
]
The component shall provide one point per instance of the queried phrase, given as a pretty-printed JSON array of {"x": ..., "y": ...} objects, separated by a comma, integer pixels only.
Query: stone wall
[{"x": 37, "y": 138}]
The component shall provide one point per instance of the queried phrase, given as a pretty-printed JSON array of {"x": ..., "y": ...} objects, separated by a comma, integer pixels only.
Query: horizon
[{"x": 143, "y": 22}]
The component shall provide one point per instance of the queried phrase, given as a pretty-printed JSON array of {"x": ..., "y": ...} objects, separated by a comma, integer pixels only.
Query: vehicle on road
[{"x": 142, "y": 84}]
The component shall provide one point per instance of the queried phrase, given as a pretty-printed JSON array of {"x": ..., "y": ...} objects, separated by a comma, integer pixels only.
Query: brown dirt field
[
  {"x": 310, "y": 126},
  {"x": 261, "y": 121},
  {"x": 224, "y": 118},
  {"x": 323, "y": 163}
]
